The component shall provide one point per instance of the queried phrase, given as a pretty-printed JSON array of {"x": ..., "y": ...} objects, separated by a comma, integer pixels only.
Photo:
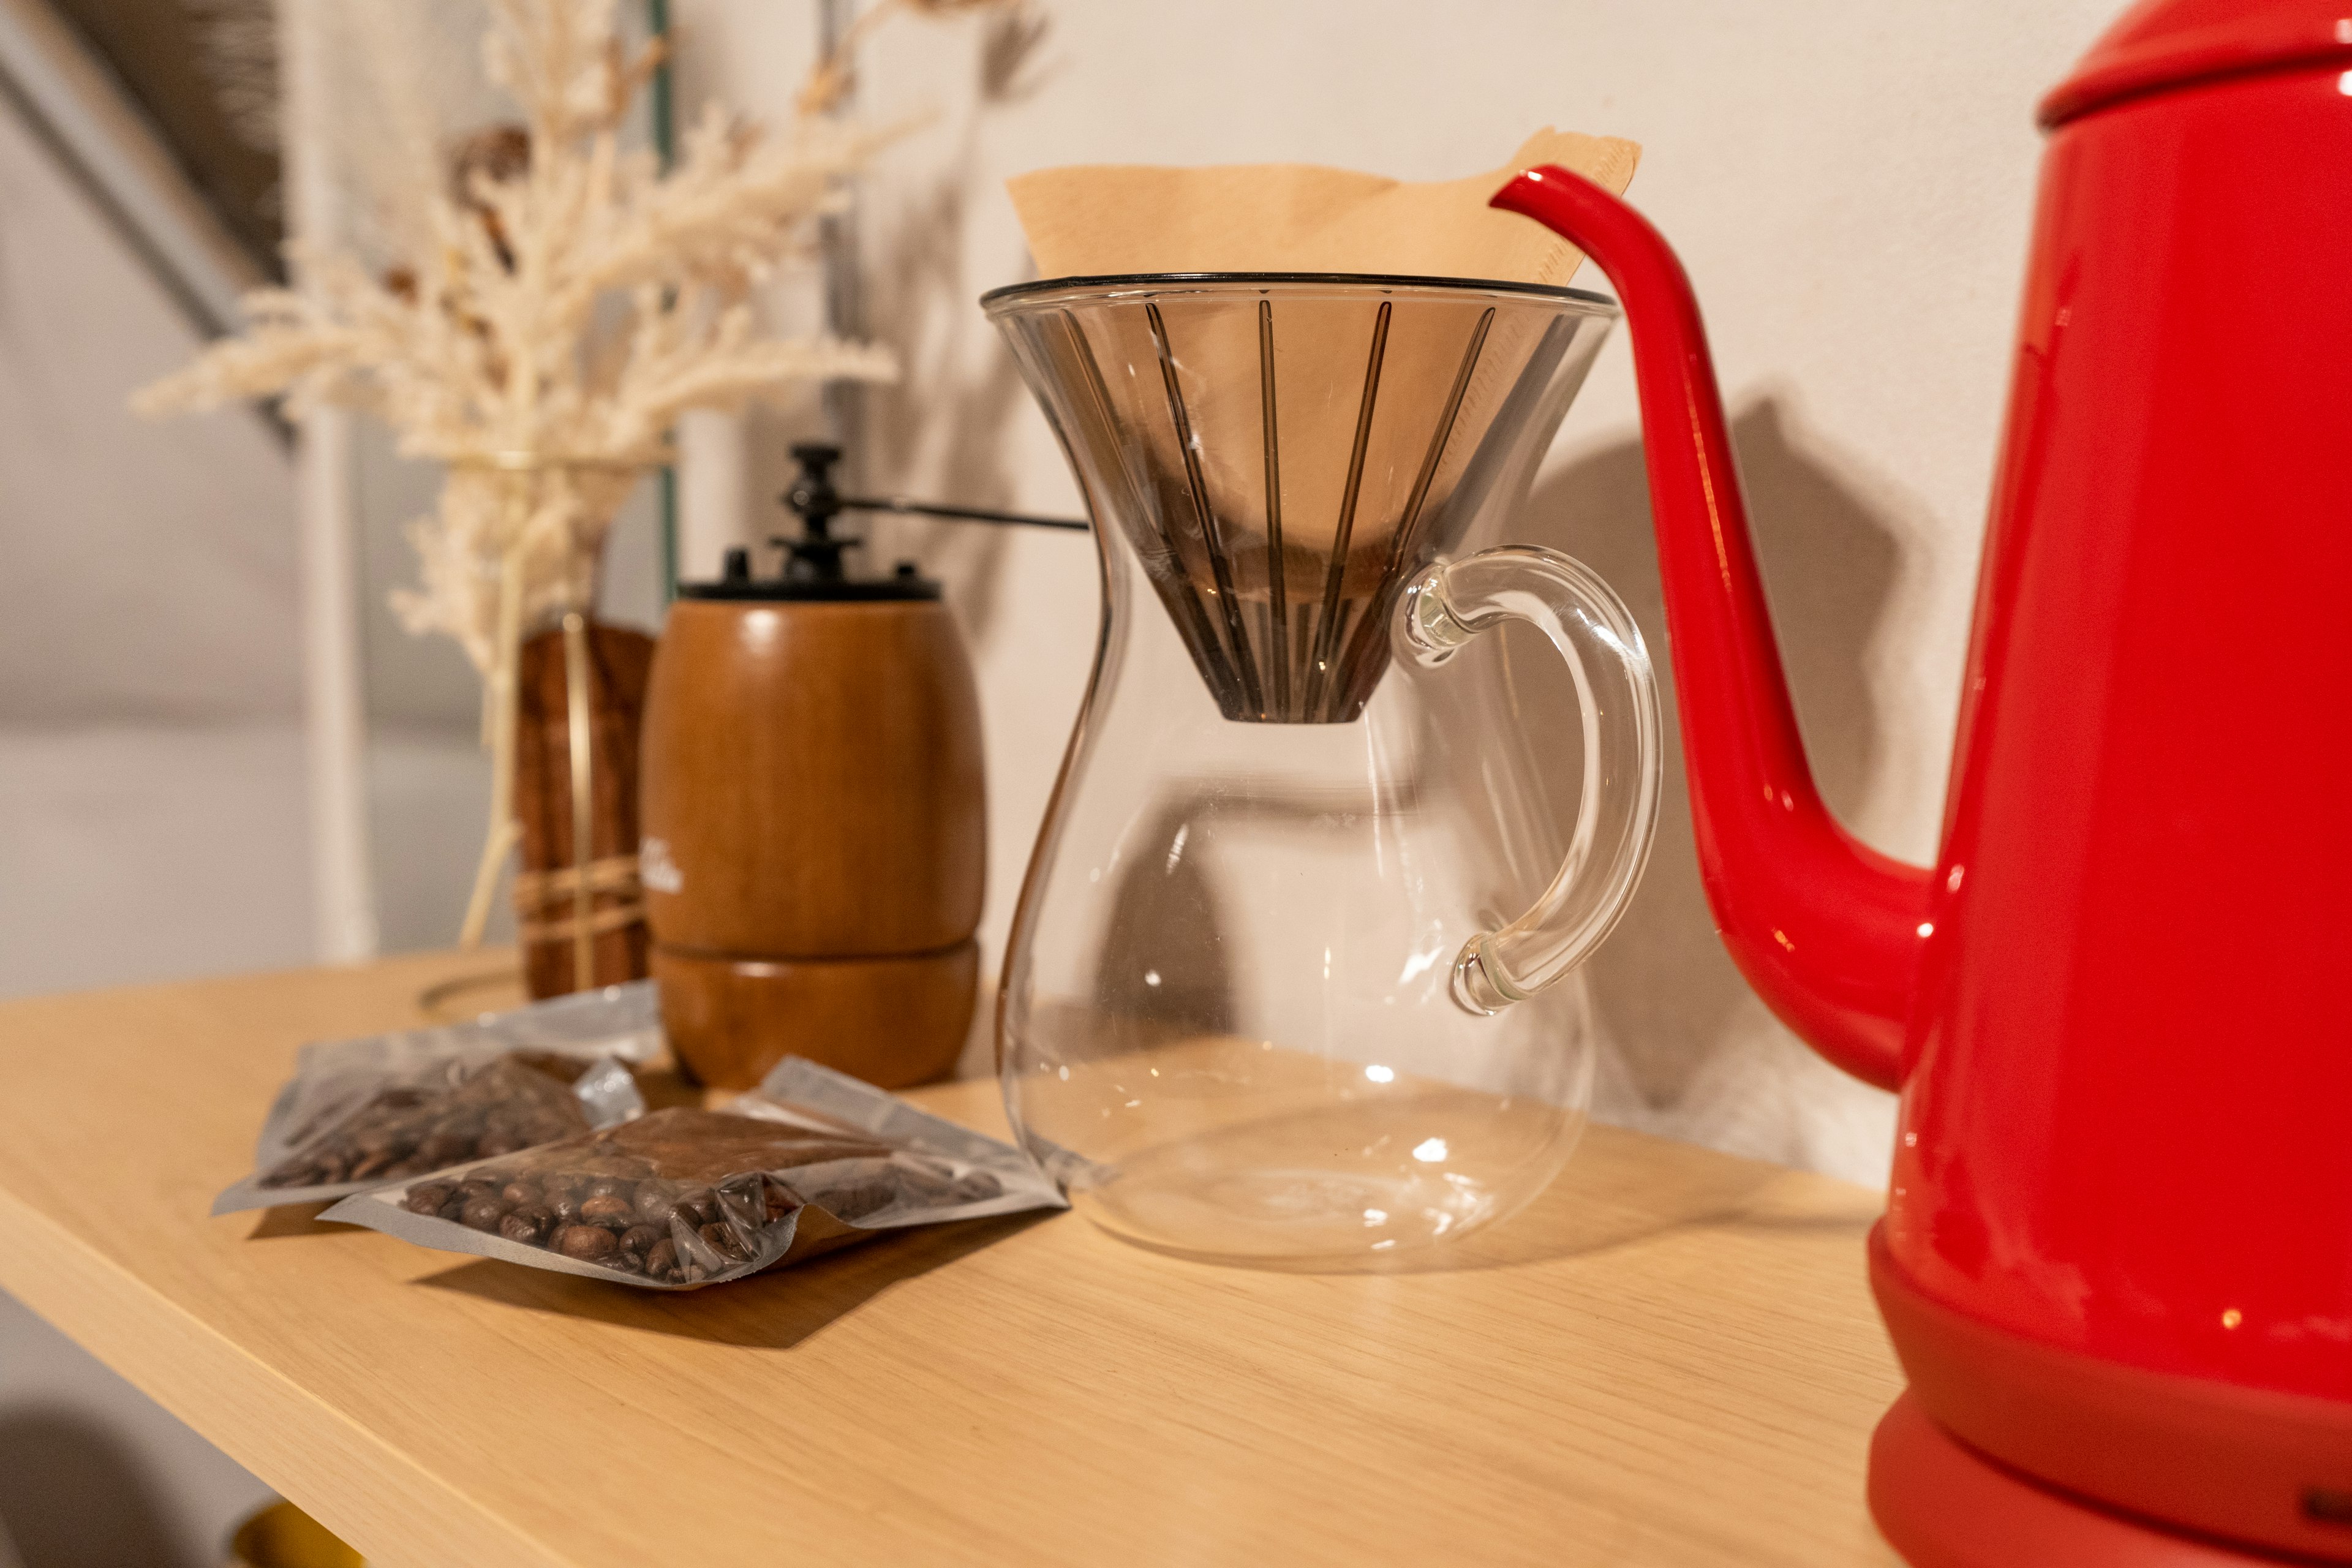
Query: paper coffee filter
[
  {"x": 1273, "y": 547},
  {"x": 1091, "y": 220},
  {"x": 1112, "y": 219}
]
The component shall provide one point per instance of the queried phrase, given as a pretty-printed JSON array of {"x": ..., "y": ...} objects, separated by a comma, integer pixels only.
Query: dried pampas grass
[{"x": 564, "y": 303}]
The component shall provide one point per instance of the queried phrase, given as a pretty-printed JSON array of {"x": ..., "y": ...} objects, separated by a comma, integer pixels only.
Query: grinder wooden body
[{"x": 815, "y": 844}]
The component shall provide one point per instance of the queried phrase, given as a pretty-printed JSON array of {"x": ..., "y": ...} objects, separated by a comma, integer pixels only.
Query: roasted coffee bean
[
  {"x": 566, "y": 1203},
  {"x": 742, "y": 1200},
  {"x": 426, "y": 1197},
  {"x": 482, "y": 1214},
  {"x": 500, "y": 1107},
  {"x": 855, "y": 1200},
  {"x": 444, "y": 1149},
  {"x": 455, "y": 1208},
  {"x": 552, "y": 1064},
  {"x": 661, "y": 1258},
  {"x": 724, "y": 1242},
  {"x": 609, "y": 1209},
  {"x": 612, "y": 1187},
  {"x": 521, "y": 1191},
  {"x": 698, "y": 1204},
  {"x": 588, "y": 1243},
  {"x": 639, "y": 1239},
  {"x": 530, "y": 1223},
  {"x": 978, "y": 1186},
  {"x": 625, "y": 1262},
  {"x": 656, "y": 1203}
]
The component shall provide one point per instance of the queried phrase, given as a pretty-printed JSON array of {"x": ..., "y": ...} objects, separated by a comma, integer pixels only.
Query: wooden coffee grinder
[{"x": 813, "y": 813}]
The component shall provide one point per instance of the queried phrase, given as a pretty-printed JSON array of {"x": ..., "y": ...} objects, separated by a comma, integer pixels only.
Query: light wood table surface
[{"x": 1671, "y": 1358}]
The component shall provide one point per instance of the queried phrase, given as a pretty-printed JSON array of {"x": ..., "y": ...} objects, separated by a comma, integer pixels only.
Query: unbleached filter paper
[
  {"x": 1361, "y": 406},
  {"x": 1093, "y": 220}
]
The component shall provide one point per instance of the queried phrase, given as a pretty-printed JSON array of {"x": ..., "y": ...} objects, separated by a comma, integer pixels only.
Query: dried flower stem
[{"x": 571, "y": 302}]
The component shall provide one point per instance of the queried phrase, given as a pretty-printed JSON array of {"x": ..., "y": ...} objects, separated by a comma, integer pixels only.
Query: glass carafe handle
[{"x": 1616, "y": 696}]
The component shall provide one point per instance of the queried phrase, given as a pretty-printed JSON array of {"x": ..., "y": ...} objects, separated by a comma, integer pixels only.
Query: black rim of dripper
[{"x": 1143, "y": 281}]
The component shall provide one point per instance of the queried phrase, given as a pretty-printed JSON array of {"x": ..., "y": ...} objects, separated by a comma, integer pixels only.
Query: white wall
[
  {"x": 150, "y": 567},
  {"x": 150, "y": 783},
  {"x": 152, "y": 793},
  {"x": 1848, "y": 182}
]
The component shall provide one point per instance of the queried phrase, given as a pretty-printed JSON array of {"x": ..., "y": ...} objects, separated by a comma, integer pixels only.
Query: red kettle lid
[{"x": 2163, "y": 43}]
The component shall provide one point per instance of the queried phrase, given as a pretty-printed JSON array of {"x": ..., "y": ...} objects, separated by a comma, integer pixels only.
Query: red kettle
[{"x": 2116, "y": 1259}]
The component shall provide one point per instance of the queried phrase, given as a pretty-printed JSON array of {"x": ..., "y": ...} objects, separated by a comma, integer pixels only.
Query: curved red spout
[{"x": 1827, "y": 929}]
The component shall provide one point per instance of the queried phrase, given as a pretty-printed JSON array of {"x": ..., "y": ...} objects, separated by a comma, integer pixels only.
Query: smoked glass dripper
[{"x": 1292, "y": 976}]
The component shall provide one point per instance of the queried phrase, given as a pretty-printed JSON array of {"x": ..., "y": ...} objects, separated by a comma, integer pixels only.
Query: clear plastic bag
[
  {"x": 679, "y": 1199},
  {"x": 357, "y": 1113}
]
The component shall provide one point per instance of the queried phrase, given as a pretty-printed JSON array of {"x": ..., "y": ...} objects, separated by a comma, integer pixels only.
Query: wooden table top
[{"x": 1671, "y": 1358}]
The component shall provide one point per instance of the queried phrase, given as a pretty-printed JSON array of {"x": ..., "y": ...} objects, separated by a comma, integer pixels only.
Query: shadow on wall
[
  {"x": 1688, "y": 1049},
  {"x": 1167, "y": 923},
  {"x": 1665, "y": 993},
  {"x": 73, "y": 1496},
  {"x": 945, "y": 421},
  {"x": 940, "y": 433},
  {"x": 952, "y": 425}
]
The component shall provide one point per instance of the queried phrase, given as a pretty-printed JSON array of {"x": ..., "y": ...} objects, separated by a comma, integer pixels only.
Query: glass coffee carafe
[{"x": 1292, "y": 976}]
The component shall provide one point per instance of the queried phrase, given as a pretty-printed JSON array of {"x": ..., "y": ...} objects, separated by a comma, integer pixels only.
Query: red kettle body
[{"x": 2117, "y": 1251}]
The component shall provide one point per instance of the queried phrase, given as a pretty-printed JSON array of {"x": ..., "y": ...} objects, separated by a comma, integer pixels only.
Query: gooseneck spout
[{"x": 1827, "y": 929}]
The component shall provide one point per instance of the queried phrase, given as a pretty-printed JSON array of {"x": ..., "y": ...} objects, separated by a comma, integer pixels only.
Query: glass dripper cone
[{"x": 1285, "y": 453}]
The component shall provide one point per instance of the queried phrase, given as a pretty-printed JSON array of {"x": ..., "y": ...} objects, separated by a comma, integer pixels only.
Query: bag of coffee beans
[
  {"x": 680, "y": 1198},
  {"x": 359, "y": 1113}
]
